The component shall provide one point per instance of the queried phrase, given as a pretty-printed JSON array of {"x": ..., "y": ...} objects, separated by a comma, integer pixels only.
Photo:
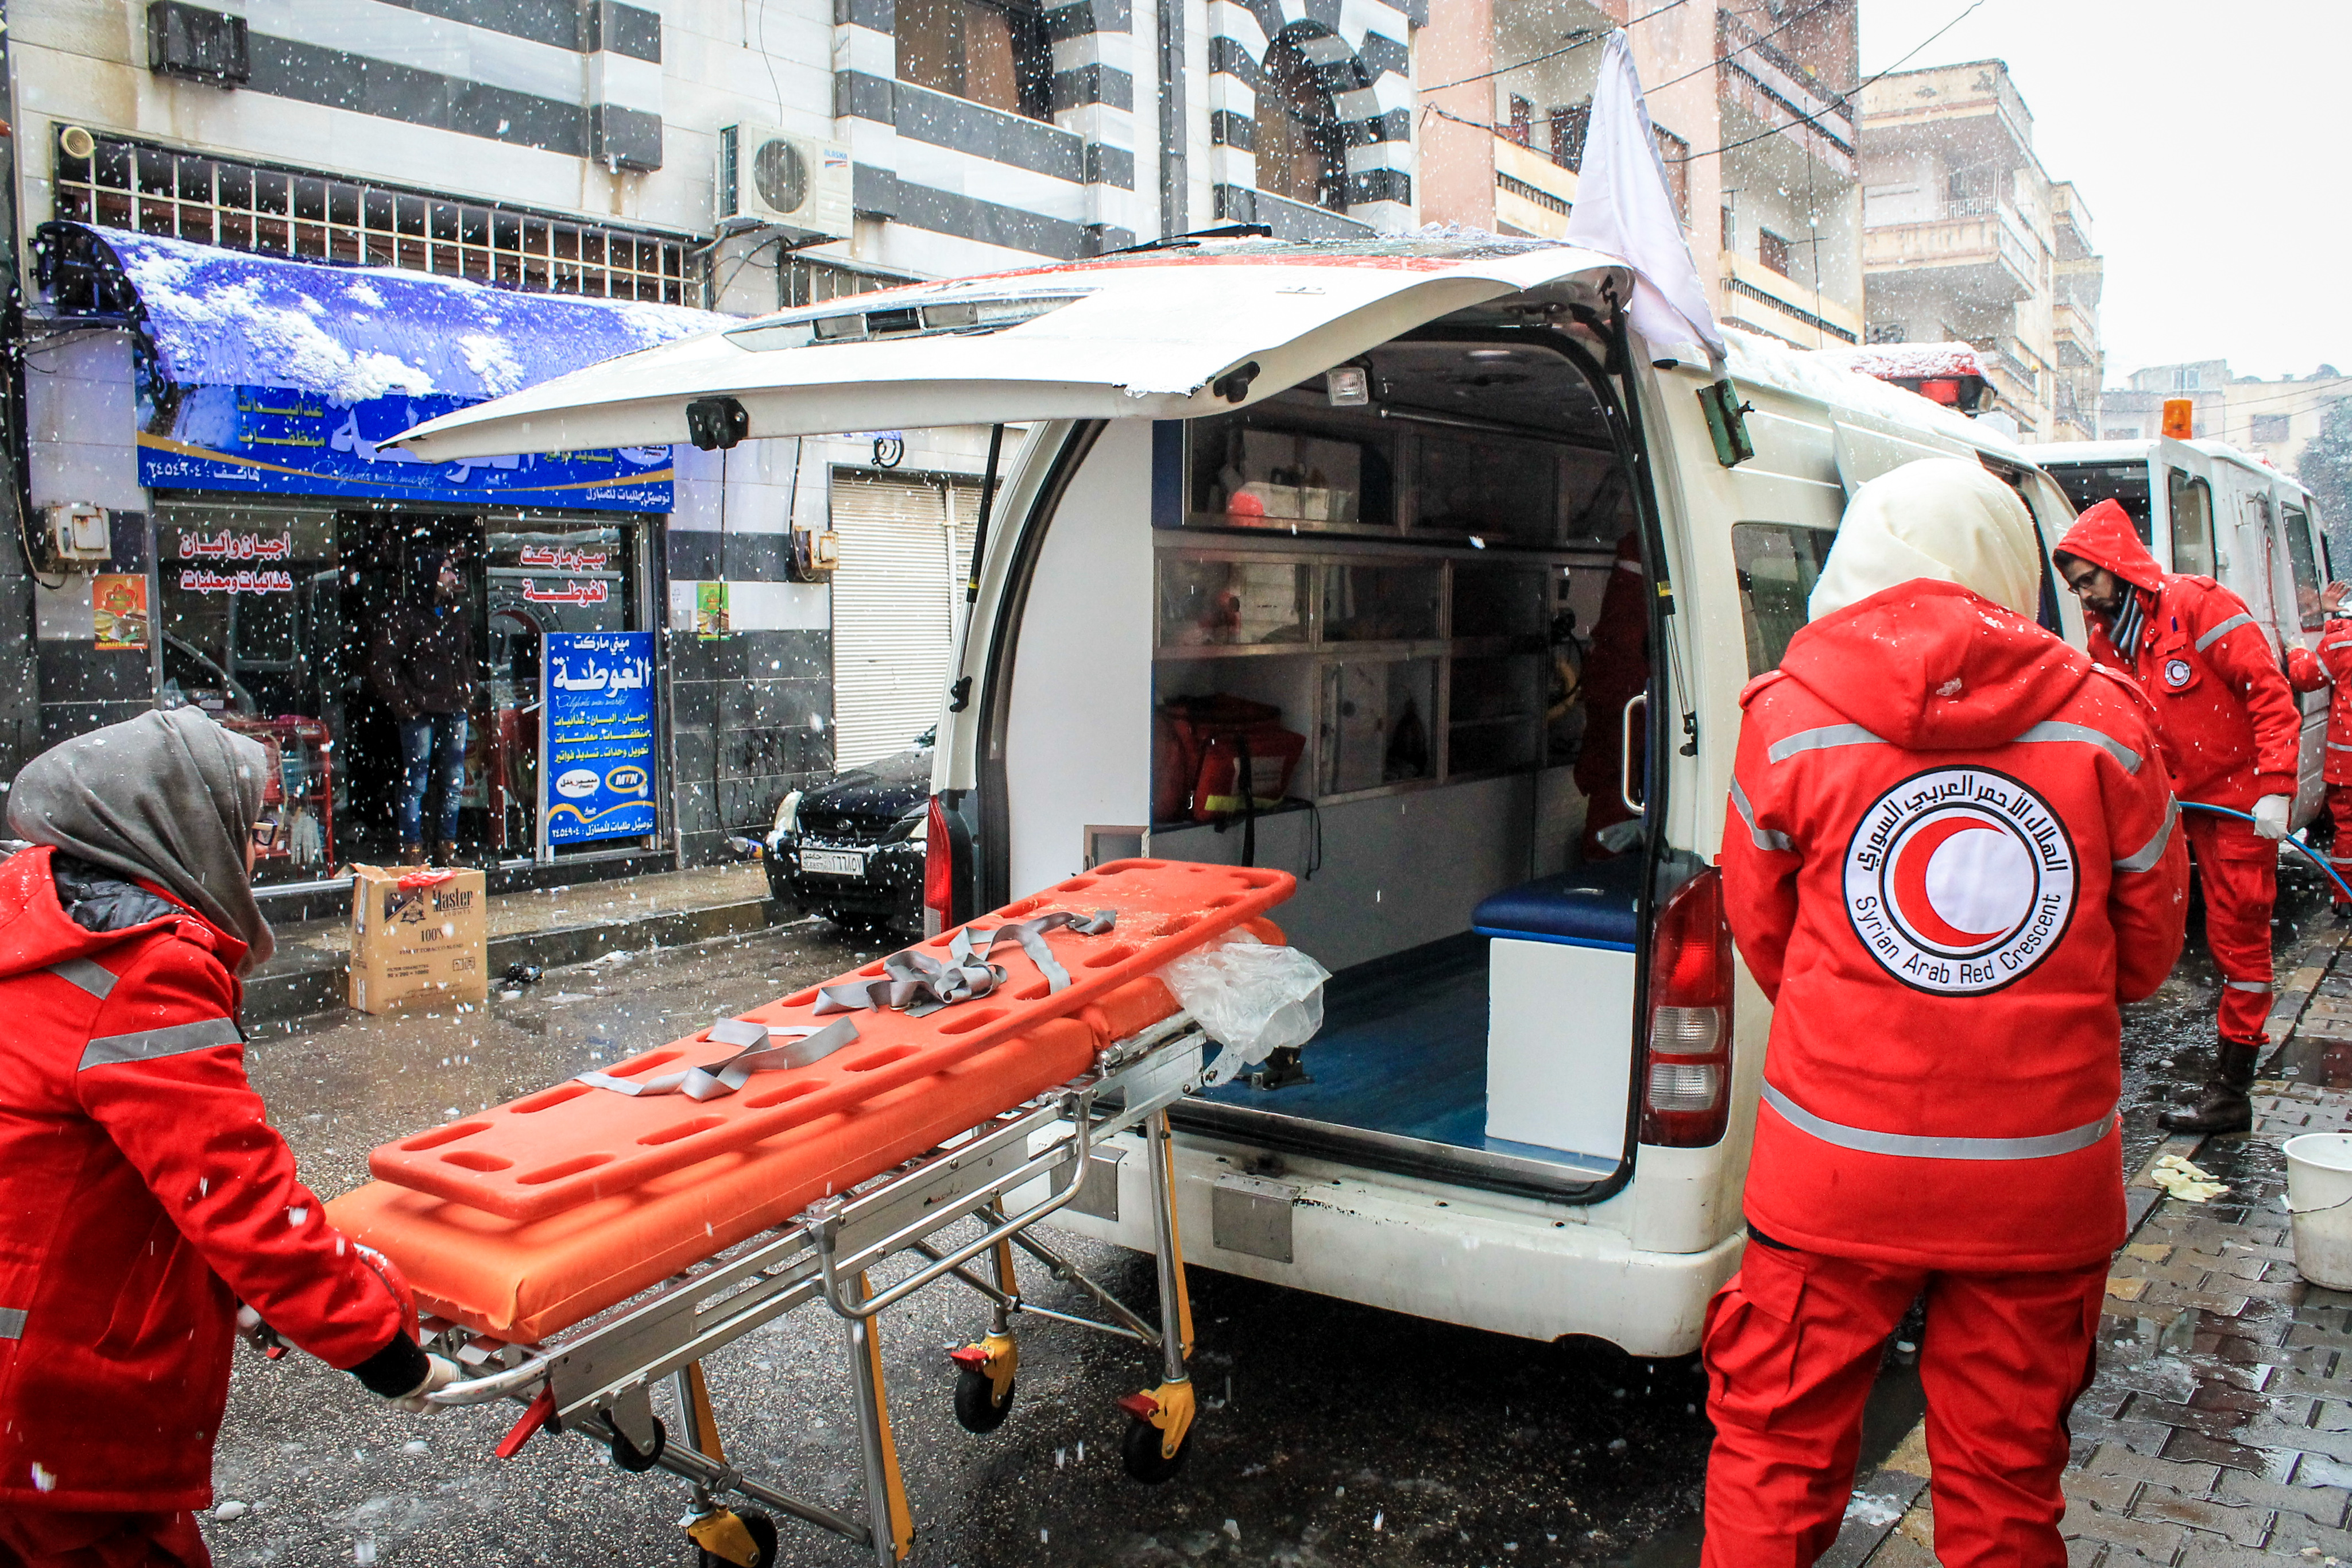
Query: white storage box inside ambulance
[
  {"x": 1561, "y": 947},
  {"x": 1155, "y": 335}
]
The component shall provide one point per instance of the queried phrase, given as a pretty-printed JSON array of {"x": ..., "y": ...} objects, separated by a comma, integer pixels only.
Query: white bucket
[{"x": 2319, "y": 1196}]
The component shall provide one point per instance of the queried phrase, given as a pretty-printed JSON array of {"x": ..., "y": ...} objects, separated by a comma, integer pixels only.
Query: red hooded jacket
[
  {"x": 2228, "y": 720},
  {"x": 141, "y": 1194},
  {"x": 1950, "y": 855}
]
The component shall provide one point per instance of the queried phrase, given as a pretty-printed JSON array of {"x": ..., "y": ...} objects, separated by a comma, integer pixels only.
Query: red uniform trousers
[
  {"x": 31, "y": 1538},
  {"x": 2238, "y": 870},
  {"x": 2339, "y": 853},
  {"x": 1792, "y": 1345}
]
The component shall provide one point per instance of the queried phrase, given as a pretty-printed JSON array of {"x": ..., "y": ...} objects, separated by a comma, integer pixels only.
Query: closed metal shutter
[{"x": 894, "y": 599}]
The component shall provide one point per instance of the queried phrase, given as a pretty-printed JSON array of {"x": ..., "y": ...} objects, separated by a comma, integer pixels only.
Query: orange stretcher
[{"x": 575, "y": 1247}]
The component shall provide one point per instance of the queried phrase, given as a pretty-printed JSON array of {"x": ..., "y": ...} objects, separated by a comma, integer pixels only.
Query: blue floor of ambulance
[{"x": 1403, "y": 1051}]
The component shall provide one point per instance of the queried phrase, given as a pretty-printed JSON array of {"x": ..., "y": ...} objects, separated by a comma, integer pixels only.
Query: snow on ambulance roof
[
  {"x": 1828, "y": 379},
  {"x": 225, "y": 317},
  {"x": 1911, "y": 361}
]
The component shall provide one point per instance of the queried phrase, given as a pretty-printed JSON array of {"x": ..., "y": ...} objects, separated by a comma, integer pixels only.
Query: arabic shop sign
[
  {"x": 596, "y": 735},
  {"x": 273, "y": 441}
]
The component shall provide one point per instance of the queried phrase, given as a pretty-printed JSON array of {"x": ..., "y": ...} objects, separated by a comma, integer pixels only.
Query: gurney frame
[{"x": 596, "y": 1378}]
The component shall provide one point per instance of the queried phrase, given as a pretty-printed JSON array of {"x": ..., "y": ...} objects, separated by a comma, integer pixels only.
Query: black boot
[{"x": 2223, "y": 1107}]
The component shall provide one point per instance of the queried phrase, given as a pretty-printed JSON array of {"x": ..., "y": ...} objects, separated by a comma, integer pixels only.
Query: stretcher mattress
[
  {"x": 521, "y": 1277},
  {"x": 552, "y": 1152}
]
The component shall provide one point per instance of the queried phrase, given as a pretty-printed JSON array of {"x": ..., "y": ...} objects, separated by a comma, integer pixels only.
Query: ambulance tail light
[
  {"x": 939, "y": 872},
  {"x": 1686, "y": 1077}
]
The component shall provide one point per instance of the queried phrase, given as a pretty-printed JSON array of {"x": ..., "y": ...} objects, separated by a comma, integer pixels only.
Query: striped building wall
[{"x": 1361, "y": 50}]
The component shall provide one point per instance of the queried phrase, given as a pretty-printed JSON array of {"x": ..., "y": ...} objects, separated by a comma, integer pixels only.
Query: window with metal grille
[{"x": 135, "y": 185}]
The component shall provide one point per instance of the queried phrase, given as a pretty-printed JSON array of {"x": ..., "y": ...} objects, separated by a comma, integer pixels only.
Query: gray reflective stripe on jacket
[
  {"x": 95, "y": 978},
  {"x": 12, "y": 1323},
  {"x": 149, "y": 1043},
  {"x": 2223, "y": 630},
  {"x": 2262, "y": 986},
  {"x": 1821, "y": 739},
  {"x": 1766, "y": 838},
  {"x": 2057, "y": 729},
  {"x": 2144, "y": 857},
  {"x": 1869, "y": 1142}
]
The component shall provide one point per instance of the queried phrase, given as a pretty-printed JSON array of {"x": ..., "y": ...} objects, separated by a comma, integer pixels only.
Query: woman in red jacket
[
  {"x": 144, "y": 1193},
  {"x": 1950, "y": 853}
]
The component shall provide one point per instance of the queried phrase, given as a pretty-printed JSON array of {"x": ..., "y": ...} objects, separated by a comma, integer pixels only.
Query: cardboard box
[{"x": 418, "y": 937}]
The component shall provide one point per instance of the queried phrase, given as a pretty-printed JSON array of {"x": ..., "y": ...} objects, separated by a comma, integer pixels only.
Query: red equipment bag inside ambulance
[{"x": 1220, "y": 756}]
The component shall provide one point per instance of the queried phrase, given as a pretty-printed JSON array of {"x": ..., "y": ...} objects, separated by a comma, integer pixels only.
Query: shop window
[
  {"x": 1302, "y": 154},
  {"x": 241, "y": 206},
  {"x": 1777, "y": 565},
  {"x": 2191, "y": 504},
  {"x": 1772, "y": 251},
  {"x": 989, "y": 53}
]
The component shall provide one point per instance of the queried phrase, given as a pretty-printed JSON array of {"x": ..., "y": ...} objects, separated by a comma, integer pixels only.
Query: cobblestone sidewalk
[{"x": 2219, "y": 1431}]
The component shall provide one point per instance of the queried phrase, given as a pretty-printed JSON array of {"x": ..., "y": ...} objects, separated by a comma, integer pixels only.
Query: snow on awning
[{"x": 225, "y": 317}]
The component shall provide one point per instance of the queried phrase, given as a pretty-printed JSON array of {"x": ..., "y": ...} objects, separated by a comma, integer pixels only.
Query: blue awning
[{"x": 225, "y": 317}]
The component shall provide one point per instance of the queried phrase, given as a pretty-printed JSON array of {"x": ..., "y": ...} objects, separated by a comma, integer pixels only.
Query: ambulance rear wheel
[
  {"x": 762, "y": 1530},
  {"x": 1139, "y": 1452},
  {"x": 977, "y": 1409}
]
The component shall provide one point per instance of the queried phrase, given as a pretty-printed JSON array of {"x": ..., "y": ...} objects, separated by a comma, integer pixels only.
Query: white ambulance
[
  {"x": 2208, "y": 509},
  {"x": 1397, "y": 565}
]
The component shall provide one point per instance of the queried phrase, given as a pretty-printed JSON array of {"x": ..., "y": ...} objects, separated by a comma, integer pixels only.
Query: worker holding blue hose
[{"x": 2229, "y": 728}]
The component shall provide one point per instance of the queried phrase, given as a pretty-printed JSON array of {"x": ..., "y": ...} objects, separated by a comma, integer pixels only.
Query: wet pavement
[{"x": 1332, "y": 1434}]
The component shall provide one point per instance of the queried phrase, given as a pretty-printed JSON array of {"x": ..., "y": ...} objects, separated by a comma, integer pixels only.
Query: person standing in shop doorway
[{"x": 421, "y": 665}]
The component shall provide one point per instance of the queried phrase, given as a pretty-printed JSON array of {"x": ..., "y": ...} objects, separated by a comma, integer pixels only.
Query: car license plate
[{"x": 834, "y": 863}]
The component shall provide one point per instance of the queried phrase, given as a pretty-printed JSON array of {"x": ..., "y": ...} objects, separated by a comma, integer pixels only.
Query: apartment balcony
[
  {"x": 2076, "y": 334},
  {"x": 1532, "y": 193},
  {"x": 1781, "y": 95},
  {"x": 1761, "y": 301},
  {"x": 1974, "y": 257}
]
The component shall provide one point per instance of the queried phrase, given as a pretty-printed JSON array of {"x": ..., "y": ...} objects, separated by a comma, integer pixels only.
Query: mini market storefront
[{"x": 280, "y": 534}]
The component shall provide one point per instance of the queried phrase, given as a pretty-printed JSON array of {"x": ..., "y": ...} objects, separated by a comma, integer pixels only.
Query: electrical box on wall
[
  {"x": 81, "y": 534},
  {"x": 797, "y": 184},
  {"x": 816, "y": 553}
]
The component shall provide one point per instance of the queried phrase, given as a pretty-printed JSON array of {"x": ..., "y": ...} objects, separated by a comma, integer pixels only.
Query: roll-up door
[{"x": 894, "y": 606}]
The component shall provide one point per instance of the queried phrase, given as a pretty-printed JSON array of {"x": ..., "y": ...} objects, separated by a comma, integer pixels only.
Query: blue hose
[{"x": 2290, "y": 842}]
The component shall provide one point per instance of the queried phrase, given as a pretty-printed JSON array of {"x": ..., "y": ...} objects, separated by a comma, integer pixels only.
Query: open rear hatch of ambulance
[
  {"x": 1166, "y": 334},
  {"x": 1177, "y": 334}
]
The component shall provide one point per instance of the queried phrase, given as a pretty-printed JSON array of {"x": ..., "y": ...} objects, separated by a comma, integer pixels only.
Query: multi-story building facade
[
  {"x": 2276, "y": 419},
  {"x": 1758, "y": 137},
  {"x": 642, "y": 162},
  {"x": 1967, "y": 238}
]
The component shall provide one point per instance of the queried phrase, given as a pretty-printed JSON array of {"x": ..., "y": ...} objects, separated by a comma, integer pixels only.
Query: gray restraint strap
[
  {"x": 916, "y": 983},
  {"x": 2223, "y": 630},
  {"x": 149, "y": 1043},
  {"x": 12, "y": 1323},
  {"x": 95, "y": 978},
  {"x": 805, "y": 1045},
  {"x": 1876, "y": 1143}
]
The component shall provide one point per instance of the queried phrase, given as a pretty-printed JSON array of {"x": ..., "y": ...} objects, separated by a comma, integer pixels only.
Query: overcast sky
[{"x": 2206, "y": 141}]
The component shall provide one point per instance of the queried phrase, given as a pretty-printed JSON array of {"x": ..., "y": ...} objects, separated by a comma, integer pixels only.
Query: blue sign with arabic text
[
  {"x": 276, "y": 441},
  {"x": 596, "y": 779}
]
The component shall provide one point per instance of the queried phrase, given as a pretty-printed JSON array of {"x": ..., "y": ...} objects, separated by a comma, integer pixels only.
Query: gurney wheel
[
  {"x": 762, "y": 1530},
  {"x": 976, "y": 1407},
  {"x": 628, "y": 1457},
  {"x": 1140, "y": 1451}
]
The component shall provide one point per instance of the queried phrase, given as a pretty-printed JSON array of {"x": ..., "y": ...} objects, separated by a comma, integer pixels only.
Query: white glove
[
  {"x": 441, "y": 1373},
  {"x": 2270, "y": 816}
]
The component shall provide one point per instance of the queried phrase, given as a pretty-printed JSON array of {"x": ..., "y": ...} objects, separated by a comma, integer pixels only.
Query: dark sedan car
[{"x": 851, "y": 849}]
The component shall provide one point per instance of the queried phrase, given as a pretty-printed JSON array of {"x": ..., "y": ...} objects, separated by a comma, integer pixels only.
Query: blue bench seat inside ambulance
[{"x": 1590, "y": 906}]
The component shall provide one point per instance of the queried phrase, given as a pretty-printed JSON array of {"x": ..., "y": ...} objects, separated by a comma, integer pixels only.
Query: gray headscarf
[{"x": 166, "y": 798}]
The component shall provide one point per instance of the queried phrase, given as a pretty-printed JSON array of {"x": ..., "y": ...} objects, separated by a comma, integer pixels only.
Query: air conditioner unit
[{"x": 796, "y": 183}]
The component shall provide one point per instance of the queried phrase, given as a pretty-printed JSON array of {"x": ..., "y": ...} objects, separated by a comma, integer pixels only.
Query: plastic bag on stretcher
[{"x": 1252, "y": 999}]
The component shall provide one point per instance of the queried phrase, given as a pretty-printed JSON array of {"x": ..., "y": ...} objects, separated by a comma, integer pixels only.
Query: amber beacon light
[{"x": 2179, "y": 418}]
